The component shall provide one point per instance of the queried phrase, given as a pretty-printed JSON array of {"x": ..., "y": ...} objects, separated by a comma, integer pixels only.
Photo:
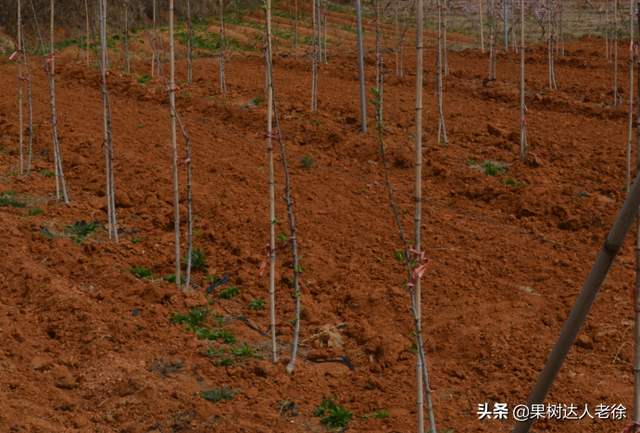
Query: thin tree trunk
[
  {"x": 314, "y": 66},
  {"x": 223, "y": 44},
  {"x": 636, "y": 360},
  {"x": 629, "y": 136},
  {"x": 615, "y": 53},
  {"x": 174, "y": 146},
  {"x": 86, "y": 8},
  {"x": 190, "y": 47},
  {"x": 56, "y": 149},
  {"x": 396, "y": 35},
  {"x": 325, "y": 31},
  {"x": 481, "y": 25},
  {"x": 444, "y": 39},
  {"x": 53, "y": 89},
  {"x": 272, "y": 212},
  {"x": 363, "y": 100},
  {"x": 523, "y": 108},
  {"x": 155, "y": 39},
  {"x": 319, "y": 22},
  {"x": 105, "y": 145},
  {"x": 28, "y": 79},
  {"x": 441, "y": 125},
  {"x": 127, "y": 66},
  {"x": 418, "y": 200},
  {"x": 20, "y": 96},
  {"x": 506, "y": 27}
]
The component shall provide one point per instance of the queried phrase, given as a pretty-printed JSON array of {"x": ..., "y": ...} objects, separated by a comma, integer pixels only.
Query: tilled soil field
[{"x": 86, "y": 346}]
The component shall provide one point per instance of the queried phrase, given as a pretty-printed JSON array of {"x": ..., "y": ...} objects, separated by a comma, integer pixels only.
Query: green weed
[
  {"x": 141, "y": 272},
  {"x": 256, "y": 304},
  {"x": 230, "y": 292},
  {"x": 337, "y": 417},
  {"x": 217, "y": 394}
]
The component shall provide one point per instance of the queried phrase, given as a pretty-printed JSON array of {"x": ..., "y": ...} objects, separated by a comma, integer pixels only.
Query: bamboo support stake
[
  {"x": 319, "y": 21},
  {"x": 444, "y": 39},
  {"x": 223, "y": 44},
  {"x": 363, "y": 99},
  {"x": 86, "y": 8},
  {"x": 585, "y": 301},
  {"x": 523, "y": 108},
  {"x": 615, "y": 53},
  {"x": 441, "y": 125},
  {"x": 630, "y": 127},
  {"x": 20, "y": 96},
  {"x": 636, "y": 360},
  {"x": 506, "y": 26},
  {"x": 272, "y": 211},
  {"x": 481, "y": 27},
  {"x": 103, "y": 54},
  {"x": 127, "y": 66},
  {"x": 418, "y": 199},
  {"x": 190, "y": 45},
  {"x": 395, "y": 35},
  {"x": 155, "y": 39},
  {"x": 26, "y": 71},
  {"x": 174, "y": 146},
  {"x": 53, "y": 89}
]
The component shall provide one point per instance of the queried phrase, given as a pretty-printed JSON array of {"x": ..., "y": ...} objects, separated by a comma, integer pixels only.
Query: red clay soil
[{"x": 75, "y": 358}]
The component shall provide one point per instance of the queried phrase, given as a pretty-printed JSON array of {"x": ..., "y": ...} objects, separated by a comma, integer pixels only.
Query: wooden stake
[
  {"x": 630, "y": 126},
  {"x": 418, "y": 199},
  {"x": 174, "y": 146},
  {"x": 272, "y": 211},
  {"x": 127, "y": 66},
  {"x": 585, "y": 301},
  {"x": 20, "y": 96},
  {"x": 26, "y": 71},
  {"x": 481, "y": 26},
  {"x": 223, "y": 45},
  {"x": 155, "y": 39},
  {"x": 86, "y": 8},
  {"x": 523, "y": 108}
]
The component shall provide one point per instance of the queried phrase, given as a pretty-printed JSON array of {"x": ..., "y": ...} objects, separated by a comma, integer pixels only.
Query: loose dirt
[{"x": 76, "y": 357}]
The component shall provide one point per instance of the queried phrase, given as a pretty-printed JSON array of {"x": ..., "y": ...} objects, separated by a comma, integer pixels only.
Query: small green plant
[
  {"x": 141, "y": 126},
  {"x": 384, "y": 413},
  {"x": 224, "y": 362},
  {"x": 212, "y": 352},
  {"x": 257, "y": 101},
  {"x": 46, "y": 173},
  {"x": 172, "y": 278},
  {"x": 307, "y": 161},
  {"x": 80, "y": 230},
  {"x": 244, "y": 352},
  {"x": 198, "y": 259},
  {"x": 193, "y": 319},
  {"x": 6, "y": 200},
  {"x": 9, "y": 193},
  {"x": 35, "y": 211},
  {"x": 337, "y": 417},
  {"x": 212, "y": 278},
  {"x": 141, "y": 272},
  {"x": 197, "y": 232},
  {"x": 138, "y": 240},
  {"x": 283, "y": 237},
  {"x": 623, "y": 188},
  {"x": 144, "y": 78},
  {"x": 230, "y": 292},
  {"x": 315, "y": 122},
  {"x": 227, "y": 337},
  {"x": 510, "y": 181},
  {"x": 256, "y": 304},
  {"x": 217, "y": 394},
  {"x": 491, "y": 168}
]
